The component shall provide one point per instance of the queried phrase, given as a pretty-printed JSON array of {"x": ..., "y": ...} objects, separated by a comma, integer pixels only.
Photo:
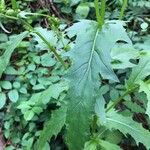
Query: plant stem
[
  {"x": 40, "y": 35},
  {"x": 119, "y": 99},
  {"x": 124, "y": 6},
  {"x": 46, "y": 42},
  {"x": 51, "y": 48},
  {"x": 9, "y": 17},
  {"x": 94, "y": 123},
  {"x": 100, "y": 14},
  {"x": 14, "y": 4},
  {"x": 98, "y": 17},
  {"x": 103, "y": 9}
]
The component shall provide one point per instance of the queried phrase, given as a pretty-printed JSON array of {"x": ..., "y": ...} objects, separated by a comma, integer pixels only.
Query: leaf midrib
[
  {"x": 91, "y": 55},
  {"x": 123, "y": 124}
]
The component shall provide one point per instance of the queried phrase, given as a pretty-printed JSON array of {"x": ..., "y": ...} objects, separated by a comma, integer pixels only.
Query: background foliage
[{"x": 45, "y": 106}]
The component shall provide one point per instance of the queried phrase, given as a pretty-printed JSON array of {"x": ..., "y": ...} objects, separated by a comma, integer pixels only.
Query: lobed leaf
[
  {"x": 145, "y": 87},
  {"x": 127, "y": 126},
  {"x": 107, "y": 145},
  {"x": 141, "y": 71},
  {"x": 91, "y": 58},
  {"x": 53, "y": 126}
]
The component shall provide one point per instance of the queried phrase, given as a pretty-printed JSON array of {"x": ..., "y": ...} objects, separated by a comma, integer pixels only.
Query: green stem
[
  {"x": 94, "y": 123},
  {"x": 46, "y": 42},
  {"x": 100, "y": 14},
  {"x": 41, "y": 15},
  {"x": 40, "y": 35},
  {"x": 119, "y": 99},
  {"x": 98, "y": 17},
  {"x": 103, "y": 9},
  {"x": 124, "y": 6},
  {"x": 14, "y": 4},
  {"x": 52, "y": 49},
  {"x": 128, "y": 91},
  {"x": 9, "y": 17}
]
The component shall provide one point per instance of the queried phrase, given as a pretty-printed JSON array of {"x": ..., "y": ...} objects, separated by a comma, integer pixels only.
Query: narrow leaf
[
  {"x": 53, "y": 126},
  {"x": 109, "y": 146},
  {"x": 9, "y": 48}
]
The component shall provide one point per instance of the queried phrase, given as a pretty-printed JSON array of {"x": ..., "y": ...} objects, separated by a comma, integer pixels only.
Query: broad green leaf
[
  {"x": 9, "y": 48},
  {"x": 13, "y": 95},
  {"x": 127, "y": 126},
  {"x": 53, "y": 126},
  {"x": 145, "y": 87},
  {"x": 109, "y": 146},
  {"x": 91, "y": 58},
  {"x": 94, "y": 47},
  {"x": 141, "y": 71}
]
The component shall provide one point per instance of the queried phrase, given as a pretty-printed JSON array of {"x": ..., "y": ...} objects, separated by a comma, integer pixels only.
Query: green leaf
[
  {"x": 53, "y": 91},
  {"x": 53, "y": 126},
  {"x": 16, "y": 85},
  {"x": 82, "y": 11},
  {"x": 100, "y": 109},
  {"x": 91, "y": 57},
  {"x": 47, "y": 60},
  {"x": 2, "y": 100},
  {"x": 105, "y": 145},
  {"x": 13, "y": 95},
  {"x": 91, "y": 145},
  {"x": 145, "y": 87},
  {"x": 74, "y": 2},
  {"x": 141, "y": 71},
  {"x": 122, "y": 54},
  {"x": 49, "y": 35},
  {"x": 134, "y": 107},
  {"x": 144, "y": 26},
  {"x": 144, "y": 45},
  {"x": 6, "y": 85},
  {"x": 9, "y": 48},
  {"x": 114, "y": 136},
  {"x": 127, "y": 126},
  {"x": 109, "y": 146},
  {"x": 28, "y": 115},
  {"x": 3, "y": 37},
  {"x": 46, "y": 147}
]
